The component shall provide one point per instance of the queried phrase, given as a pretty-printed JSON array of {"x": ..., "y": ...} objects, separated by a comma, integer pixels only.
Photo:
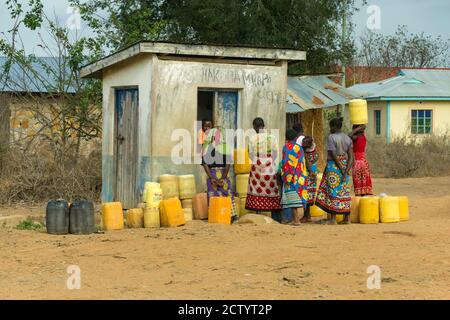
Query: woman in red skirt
[
  {"x": 362, "y": 182},
  {"x": 263, "y": 192}
]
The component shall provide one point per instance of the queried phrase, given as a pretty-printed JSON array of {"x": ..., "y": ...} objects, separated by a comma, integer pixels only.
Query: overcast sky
[{"x": 429, "y": 16}]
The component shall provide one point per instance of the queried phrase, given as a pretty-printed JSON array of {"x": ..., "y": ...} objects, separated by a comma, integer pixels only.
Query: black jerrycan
[
  {"x": 57, "y": 217},
  {"x": 82, "y": 219}
]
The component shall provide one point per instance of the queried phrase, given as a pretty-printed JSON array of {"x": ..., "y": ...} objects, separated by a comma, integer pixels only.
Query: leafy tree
[
  {"x": 403, "y": 49},
  {"x": 117, "y": 24},
  {"x": 310, "y": 25}
]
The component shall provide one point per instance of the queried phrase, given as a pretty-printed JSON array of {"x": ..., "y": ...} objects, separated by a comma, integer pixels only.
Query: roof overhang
[
  {"x": 94, "y": 70},
  {"x": 407, "y": 98}
]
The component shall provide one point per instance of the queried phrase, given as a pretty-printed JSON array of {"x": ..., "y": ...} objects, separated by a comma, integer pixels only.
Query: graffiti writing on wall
[
  {"x": 243, "y": 77},
  {"x": 270, "y": 96}
]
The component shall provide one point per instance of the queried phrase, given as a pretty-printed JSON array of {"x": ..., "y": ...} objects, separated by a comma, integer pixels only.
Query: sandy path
[{"x": 202, "y": 261}]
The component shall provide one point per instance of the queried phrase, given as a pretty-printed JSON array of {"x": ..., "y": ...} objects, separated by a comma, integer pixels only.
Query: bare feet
[{"x": 305, "y": 219}]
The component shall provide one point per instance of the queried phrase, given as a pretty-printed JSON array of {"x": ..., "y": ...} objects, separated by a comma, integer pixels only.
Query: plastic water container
[
  {"x": 389, "y": 210},
  {"x": 242, "y": 210},
  {"x": 169, "y": 186},
  {"x": 82, "y": 217},
  {"x": 354, "y": 210},
  {"x": 135, "y": 218},
  {"x": 171, "y": 213},
  {"x": 219, "y": 210},
  {"x": 358, "y": 111},
  {"x": 403, "y": 204},
  {"x": 188, "y": 214},
  {"x": 242, "y": 184},
  {"x": 316, "y": 212},
  {"x": 242, "y": 163},
  {"x": 369, "y": 210},
  {"x": 186, "y": 186},
  {"x": 186, "y": 203},
  {"x": 151, "y": 218},
  {"x": 153, "y": 195},
  {"x": 57, "y": 217},
  {"x": 200, "y": 206},
  {"x": 112, "y": 216},
  {"x": 147, "y": 186}
]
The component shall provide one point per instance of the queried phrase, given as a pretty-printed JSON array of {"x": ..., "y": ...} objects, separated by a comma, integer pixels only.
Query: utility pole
[{"x": 343, "y": 39}]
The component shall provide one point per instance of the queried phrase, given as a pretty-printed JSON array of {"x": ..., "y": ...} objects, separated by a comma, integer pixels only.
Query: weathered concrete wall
[
  {"x": 401, "y": 116},
  {"x": 261, "y": 92},
  {"x": 371, "y": 129},
  {"x": 134, "y": 72}
]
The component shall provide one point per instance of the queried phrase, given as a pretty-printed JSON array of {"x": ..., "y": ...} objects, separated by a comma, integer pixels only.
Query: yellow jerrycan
[
  {"x": 169, "y": 186},
  {"x": 242, "y": 163},
  {"x": 389, "y": 210},
  {"x": 112, "y": 216},
  {"x": 186, "y": 186},
  {"x": 171, "y": 213},
  {"x": 135, "y": 218},
  {"x": 316, "y": 212},
  {"x": 188, "y": 214},
  {"x": 369, "y": 210},
  {"x": 354, "y": 210},
  {"x": 358, "y": 111},
  {"x": 151, "y": 218},
  {"x": 242, "y": 184},
  {"x": 219, "y": 210}
]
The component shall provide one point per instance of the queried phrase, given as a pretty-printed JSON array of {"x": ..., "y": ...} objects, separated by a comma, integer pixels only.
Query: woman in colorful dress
[
  {"x": 311, "y": 157},
  {"x": 263, "y": 193},
  {"x": 362, "y": 181},
  {"x": 333, "y": 195},
  {"x": 216, "y": 161},
  {"x": 293, "y": 176}
]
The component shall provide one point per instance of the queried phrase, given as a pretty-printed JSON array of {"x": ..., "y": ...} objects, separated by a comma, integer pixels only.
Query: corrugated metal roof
[
  {"x": 313, "y": 92},
  {"x": 21, "y": 79},
  {"x": 410, "y": 83}
]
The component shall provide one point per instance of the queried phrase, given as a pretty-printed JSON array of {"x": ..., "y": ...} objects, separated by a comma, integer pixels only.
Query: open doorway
[
  {"x": 205, "y": 105},
  {"x": 217, "y": 105}
]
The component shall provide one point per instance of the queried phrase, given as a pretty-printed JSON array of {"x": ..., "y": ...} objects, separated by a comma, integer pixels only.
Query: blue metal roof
[
  {"x": 313, "y": 92},
  {"x": 410, "y": 84},
  {"x": 40, "y": 78}
]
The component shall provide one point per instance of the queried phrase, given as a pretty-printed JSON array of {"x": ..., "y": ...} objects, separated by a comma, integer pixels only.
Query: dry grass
[
  {"x": 411, "y": 157},
  {"x": 37, "y": 176}
]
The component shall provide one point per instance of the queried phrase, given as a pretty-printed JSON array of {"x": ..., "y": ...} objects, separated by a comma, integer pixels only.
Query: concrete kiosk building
[{"x": 150, "y": 89}]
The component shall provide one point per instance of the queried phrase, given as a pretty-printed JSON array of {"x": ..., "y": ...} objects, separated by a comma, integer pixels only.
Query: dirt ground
[{"x": 203, "y": 261}]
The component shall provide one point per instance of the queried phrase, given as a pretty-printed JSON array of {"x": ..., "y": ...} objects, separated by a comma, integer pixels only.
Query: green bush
[{"x": 29, "y": 224}]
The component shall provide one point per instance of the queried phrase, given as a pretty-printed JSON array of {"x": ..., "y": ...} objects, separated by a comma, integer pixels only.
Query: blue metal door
[{"x": 225, "y": 111}]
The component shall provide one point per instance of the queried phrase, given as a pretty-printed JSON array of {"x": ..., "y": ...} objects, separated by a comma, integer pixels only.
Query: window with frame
[
  {"x": 421, "y": 121},
  {"x": 377, "y": 116}
]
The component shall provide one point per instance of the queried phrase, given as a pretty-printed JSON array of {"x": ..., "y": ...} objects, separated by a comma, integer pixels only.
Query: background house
[
  {"x": 414, "y": 103},
  {"x": 35, "y": 94}
]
